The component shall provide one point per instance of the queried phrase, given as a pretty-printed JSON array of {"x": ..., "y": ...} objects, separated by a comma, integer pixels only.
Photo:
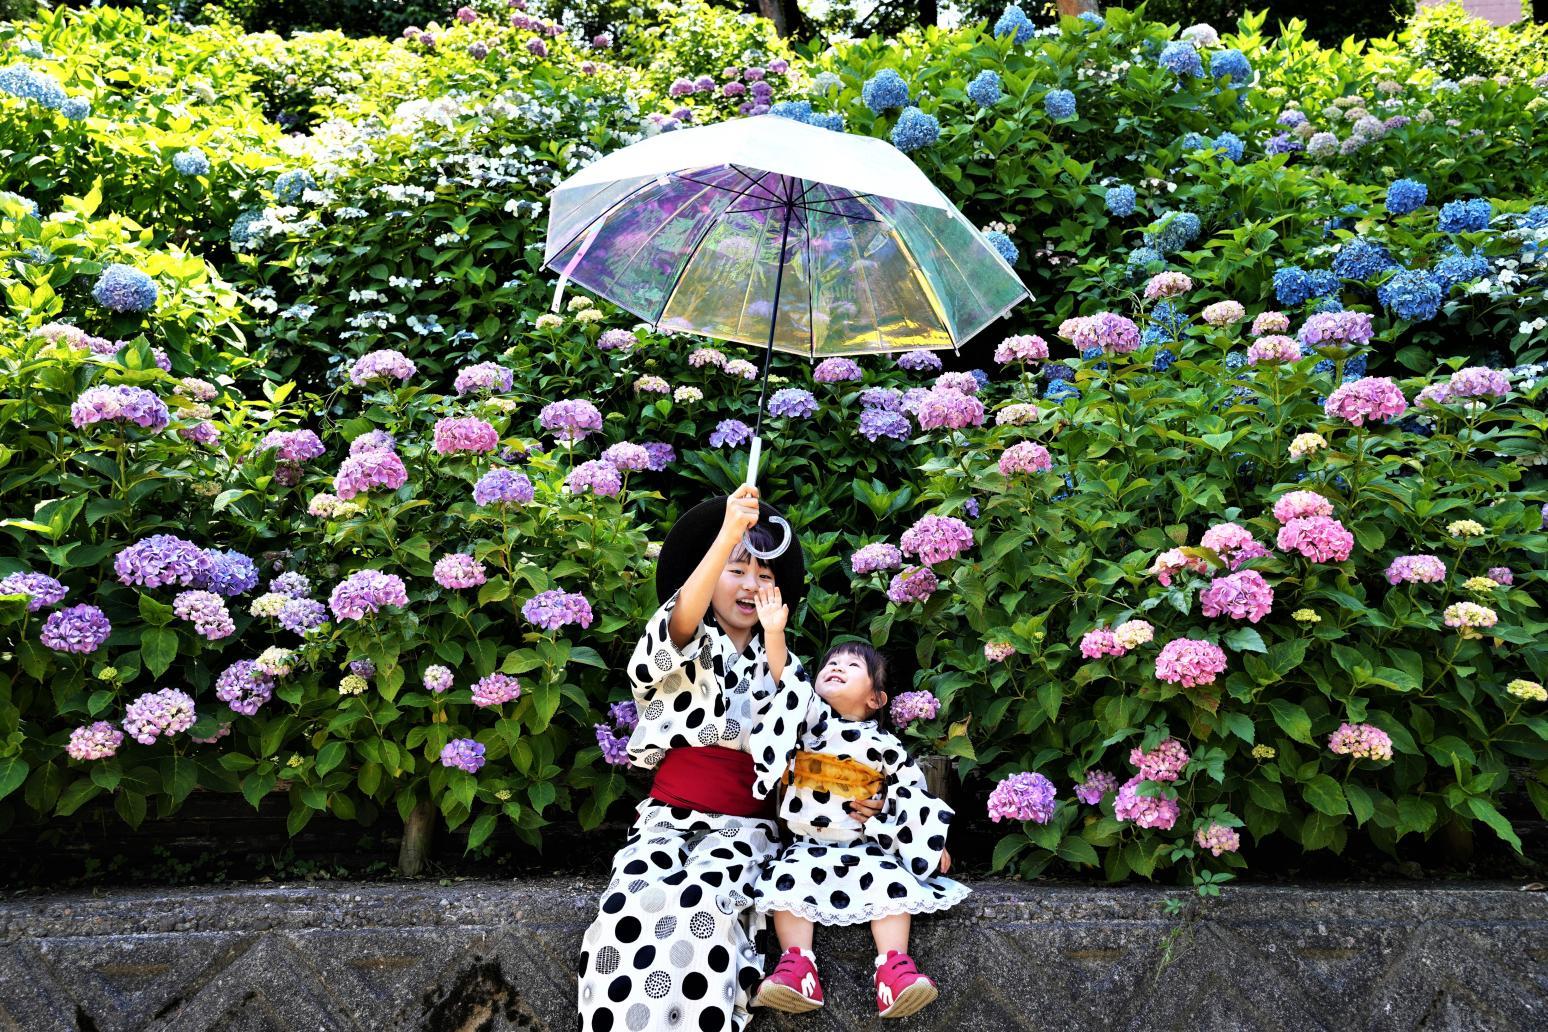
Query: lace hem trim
[{"x": 867, "y": 913}]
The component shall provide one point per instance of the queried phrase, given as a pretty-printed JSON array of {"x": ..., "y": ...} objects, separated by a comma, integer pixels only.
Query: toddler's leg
[
  {"x": 890, "y": 933},
  {"x": 795, "y": 932}
]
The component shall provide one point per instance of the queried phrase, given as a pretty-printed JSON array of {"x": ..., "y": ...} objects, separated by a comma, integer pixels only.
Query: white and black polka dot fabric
[
  {"x": 672, "y": 946},
  {"x": 839, "y": 871}
]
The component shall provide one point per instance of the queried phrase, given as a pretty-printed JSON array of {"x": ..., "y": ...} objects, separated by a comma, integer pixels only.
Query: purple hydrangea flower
[
  {"x": 620, "y": 340},
  {"x": 464, "y": 434},
  {"x": 94, "y": 741},
  {"x": 615, "y": 748},
  {"x": 125, "y": 289},
  {"x": 732, "y": 433},
  {"x": 465, "y": 753},
  {"x": 937, "y": 539},
  {"x": 889, "y": 398},
  {"x": 231, "y": 573},
  {"x": 361, "y": 473},
  {"x": 661, "y": 455},
  {"x": 365, "y": 592},
  {"x": 876, "y": 423},
  {"x": 1095, "y": 787},
  {"x": 244, "y": 687},
  {"x": 485, "y": 376},
  {"x": 502, "y": 487},
  {"x": 837, "y": 370},
  {"x": 293, "y": 445},
  {"x": 495, "y": 690},
  {"x": 155, "y": 714},
  {"x": 373, "y": 440},
  {"x": 625, "y": 714},
  {"x": 914, "y": 584},
  {"x": 302, "y": 615},
  {"x": 944, "y": 408},
  {"x": 876, "y": 557},
  {"x": 362, "y": 668},
  {"x": 599, "y": 477},
  {"x": 459, "y": 570},
  {"x": 911, "y": 706},
  {"x": 919, "y": 361},
  {"x": 206, "y": 611},
  {"x": 627, "y": 457},
  {"x": 793, "y": 402},
  {"x": 571, "y": 419},
  {"x": 438, "y": 679},
  {"x": 80, "y": 629},
  {"x": 41, "y": 589},
  {"x": 1023, "y": 797},
  {"x": 119, "y": 404},
  {"x": 552, "y": 610},
  {"x": 163, "y": 559},
  {"x": 381, "y": 365}
]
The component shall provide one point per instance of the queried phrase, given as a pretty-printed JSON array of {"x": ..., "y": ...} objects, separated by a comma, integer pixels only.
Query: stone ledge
[{"x": 493, "y": 956}]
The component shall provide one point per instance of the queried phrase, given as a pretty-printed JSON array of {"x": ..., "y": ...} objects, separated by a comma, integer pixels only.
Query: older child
[{"x": 840, "y": 870}]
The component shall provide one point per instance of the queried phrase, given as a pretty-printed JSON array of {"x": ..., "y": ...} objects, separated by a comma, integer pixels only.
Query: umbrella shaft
[{"x": 768, "y": 351}]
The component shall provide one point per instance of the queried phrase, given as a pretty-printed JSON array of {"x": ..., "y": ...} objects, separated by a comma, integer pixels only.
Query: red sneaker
[
  {"x": 793, "y": 987},
  {"x": 900, "y": 989}
]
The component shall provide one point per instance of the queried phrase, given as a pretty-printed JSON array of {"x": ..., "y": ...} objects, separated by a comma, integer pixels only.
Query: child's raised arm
[{"x": 693, "y": 600}]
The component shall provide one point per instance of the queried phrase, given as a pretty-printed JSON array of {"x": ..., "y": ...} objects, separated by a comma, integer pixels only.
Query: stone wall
[{"x": 492, "y": 956}]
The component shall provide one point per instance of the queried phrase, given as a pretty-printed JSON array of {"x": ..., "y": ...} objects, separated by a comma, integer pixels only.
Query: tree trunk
[
  {"x": 1074, "y": 8},
  {"x": 774, "y": 11},
  {"x": 929, "y": 12},
  {"x": 417, "y": 831}
]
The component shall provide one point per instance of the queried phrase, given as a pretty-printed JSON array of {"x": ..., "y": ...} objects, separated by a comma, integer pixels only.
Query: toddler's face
[
  {"x": 735, "y": 590},
  {"x": 844, "y": 683}
]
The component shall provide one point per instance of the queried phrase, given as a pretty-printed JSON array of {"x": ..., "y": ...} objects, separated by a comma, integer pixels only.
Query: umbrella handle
[{"x": 752, "y": 480}]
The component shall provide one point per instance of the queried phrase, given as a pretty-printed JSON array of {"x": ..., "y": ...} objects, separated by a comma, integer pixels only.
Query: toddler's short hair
[{"x": 875, "y": 665}]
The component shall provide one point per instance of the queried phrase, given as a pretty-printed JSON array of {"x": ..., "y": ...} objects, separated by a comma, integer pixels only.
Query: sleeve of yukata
[
  {"x": 783, "y": 710},
  {"x": 658, "y": 667},
  {"x": 912, "y": 823}
]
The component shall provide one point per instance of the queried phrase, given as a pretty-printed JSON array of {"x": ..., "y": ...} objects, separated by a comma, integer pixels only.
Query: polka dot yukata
[
  {"x": 839, "y": 871},
  {"x": 672, "y": 946}
]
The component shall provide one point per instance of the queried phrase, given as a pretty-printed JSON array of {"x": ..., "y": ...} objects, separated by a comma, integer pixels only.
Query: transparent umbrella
[{"x": 769, "y": 231}]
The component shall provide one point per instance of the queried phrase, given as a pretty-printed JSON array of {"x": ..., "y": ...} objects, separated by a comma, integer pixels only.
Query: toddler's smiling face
[{"x": 845, "y": 683}]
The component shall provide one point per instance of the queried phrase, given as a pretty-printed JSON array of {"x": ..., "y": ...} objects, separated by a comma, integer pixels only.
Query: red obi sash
[{"x": 710, "y": 779}]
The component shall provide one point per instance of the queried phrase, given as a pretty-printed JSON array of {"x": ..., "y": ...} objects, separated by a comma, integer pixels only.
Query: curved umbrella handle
[{"x": 752, "y": 479}]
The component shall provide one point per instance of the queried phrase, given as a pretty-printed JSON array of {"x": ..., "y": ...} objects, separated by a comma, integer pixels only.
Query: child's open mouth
[{"x": 745, "y": 606}]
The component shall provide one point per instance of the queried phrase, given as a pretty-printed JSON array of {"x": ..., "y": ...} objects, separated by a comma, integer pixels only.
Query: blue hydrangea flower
[
  {"x": 1411, "y": 294},
  {"x": 1283, "y": 143},
  {"x": 1345, "y": 220},
  {"x": 1535, "y": 217},
  {"x": 1231, "y": 143},
  {"x": 231, "y": 573},
  {"x": 1361, "y": 259},
  {"x": 1291, "y": 285},
  {"x": 1014, "y": 21},
  {"x": 1406, "y": 195},
  {"x": 884, "y": 90},
  {"x": 242, "y": 228},
  {"x": 1142, "y": 257},
  {"x": 980, "y": 376},
  {"x": 1236, "y": 360},
  {"x": 191, "y": 162},
  {"x": 1324, "y": 304},
  {"x": 27, "y": 83},
  {"x": 985, "y": 90},
  {"x": 76, "y": 108},
  {"x": 1458, "y": 268},
  {"x": 1232, "y": 63},
  {"x": 1093, "y": 19},
  {"x": 1169, "y": 318},
  {"x": 1057, "y": 371},
  {"x": 914, "y": 130},
  {"x": 1163, "y": 360},
  {"x": 1181, "y": 57},
  {"x": 1354, "y": 368},
  {"x": 1194, "y": 141},
  {"x": 1465, "y": 216},
  {"x": 16, "y": 198},
  {"x": 1322, "y": 283},
  {"x": 1093, "y": 355},
  {"x": 831, "y": 120},
  {"x": 1058, "y": 390},
  {"x": 1120, "y": 202},
  {"x": 123, "y": 288},
  {"x": 1003, "y": 244},
  {"x": 1059, "y": 104},
  {"x": 797, "y": 110},
  {"x": 1177, "y": 231},
  {"x": 289, "y": 186}
]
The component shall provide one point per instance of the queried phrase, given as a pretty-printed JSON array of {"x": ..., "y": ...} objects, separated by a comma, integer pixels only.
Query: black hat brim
[{"x": 692, "y": 535}]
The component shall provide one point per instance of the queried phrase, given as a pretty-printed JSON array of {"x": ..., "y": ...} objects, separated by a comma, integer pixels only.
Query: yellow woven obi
[{"x": 847, "y": 779}]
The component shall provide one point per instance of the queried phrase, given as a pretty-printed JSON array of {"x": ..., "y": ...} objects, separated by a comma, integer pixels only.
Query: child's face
[
  {"x": 844, "y": 682},
  {"x": 739, "y": 582}
]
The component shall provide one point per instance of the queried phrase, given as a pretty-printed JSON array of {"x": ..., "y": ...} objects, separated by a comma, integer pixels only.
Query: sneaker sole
[
  {"x": 785, "y": 999},
  {"x": 911, "y": 1000}
]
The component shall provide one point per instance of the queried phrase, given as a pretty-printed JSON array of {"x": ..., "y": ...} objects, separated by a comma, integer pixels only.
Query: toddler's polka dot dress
[
  {"x": 838, "y": 871},
  {"x": 672, "y": 946}
]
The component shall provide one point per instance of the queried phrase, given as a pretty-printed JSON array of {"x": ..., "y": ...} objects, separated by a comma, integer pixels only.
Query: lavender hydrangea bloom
[
  {"x": 919, "y": 360},
  {"x": 373, "y": 440},
  {"x": 837, "y": 370},
  {"x": 386, "y": 364},
  {"x": 793, "y": 402},
  {"x": 81, "y": 629},
  {"x": 597, "y": 476},
  {"x": 293, "y": 445},
  {"x": 624, "y": 714},
  {"x": 1023, "y": 797},
  {"x": 661, "y": 455},
  {"x": 458, "y": 570},
  {"x": 464, "y": 753},
  {"x": 41, "y": 589},
  {"x": 369, "y": 470},
  {"x": 119, "y": 404},
  {"x": 627, "y": 456},
  {"x": 484, "y": 376},
  {"x": 911, "y": 706},
  {"x": 552, "y": 610},
  {"x": 295, "y": 585},
  {"x": 231, "y": 573},
  {"x": 1096, "y": 786},
  {"x": 615, "y": 747},
  {"x": 915, "y": 584},
  {"x": 125, "y": 289},
  {"x": 876, "y": 423},
  {"x": 96, "y": 741},
  {"x": 571, "y": 419},
  {"x": 155, "y": 714},
  {"x": 244, "y": 687},
  {"x": 876, "y": 557},
  {"x": 365, "y": 592},
  {"x": 732, "y": 433},
  {"x": 503, "y": 486},
  {"x": 302, "y": 615},
  {"x": 889, "y": 398},
  {"x": 162, "y": 559}
]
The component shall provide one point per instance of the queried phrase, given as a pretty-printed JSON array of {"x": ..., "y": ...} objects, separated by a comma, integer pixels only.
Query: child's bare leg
[
  {"x": 795, "y": 931},
  {"x": 890, "y": 933}
]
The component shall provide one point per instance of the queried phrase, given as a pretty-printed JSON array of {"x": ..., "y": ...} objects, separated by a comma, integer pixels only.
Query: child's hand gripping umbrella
[{"x": 768, "y": 230}]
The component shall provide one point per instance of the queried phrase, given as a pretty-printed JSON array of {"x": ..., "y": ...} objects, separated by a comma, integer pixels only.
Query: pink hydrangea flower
[
  {"x": 94, "y": 741},
  {"x": 943, "y": 408},
  {"x": 1023, "y": 797},
  {"x": 914, "y": 584},
  {"x": 1109, "y": 331},
  {"x": 1217, "y": 838},
  {"x": 1025, "y": 457},
  {"x": 496, "y": 689},
  {"x": 369, "y": 470},
  {"x": 1272, "y": 349},
  {"x": 570, "y": 420},
  {"x": 386, "y": 364},
  {"x": 1321, "y": 539},
  {"x": 1174, "y": 561},
  {"x": 911, "y": 706},
  {"x": 875, "y": 557},
  {"x": 595, "y": 475},
  {"x": 484, "y": 376},
  {"x": 1370, "y": 397},
  {"x": 1224, "y": 313},
  {"x": 1270, "y": 322},
  {"x": 556, "y": 608},
  {"x": 1301, "y": 503},
  {"x": 1026, "y": 347},
  {"x": 1240, "y": 596},
  {"x": 627, "y": 457},
  {"x": 964, "y": 382},
  {"x": 1502, "y": 575},
  {"x": 1190, "y": 662},
  {"x": 837, "y": 370},
  {"x": 1158, "y": 811},
  {"x": 1337, "y": 328},
  {"x": 464, "y": 434},
  {"x": 206, "y": 611},
  {"x": 1163, "y": 763},
  {"x": 937, "y": 539},
  {"x": 1478, "y": 382},
  {"x": 1099, "y": 642},
  {"x": 998, "y": 651},
  {"x": 1362, "y": 741},
  {"x": 1416, "y": 569},
  {"x": 459, "y": 570},
  {"x": 367, "y": 591},
  {"x": 1167, "y": 284},
  {"x": 154, "y": 714}
]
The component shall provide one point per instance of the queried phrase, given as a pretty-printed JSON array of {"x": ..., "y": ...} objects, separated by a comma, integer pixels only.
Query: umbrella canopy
[{"x": 709, "y": 230}]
